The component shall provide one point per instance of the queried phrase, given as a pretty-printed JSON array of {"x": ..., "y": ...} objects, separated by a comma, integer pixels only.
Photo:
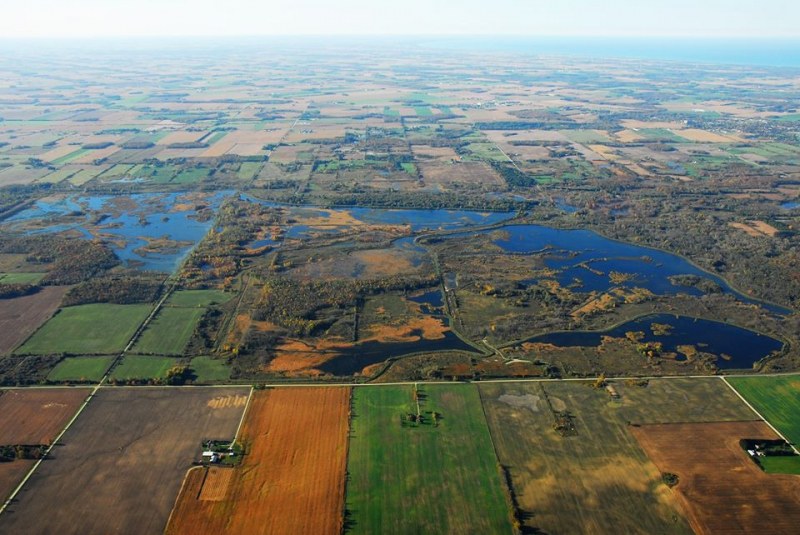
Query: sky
[{"x": 622, "y": 18}]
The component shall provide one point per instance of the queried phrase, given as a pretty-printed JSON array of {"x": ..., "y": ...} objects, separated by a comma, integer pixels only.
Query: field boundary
[
  {"x": 75, "y": 416},
  {"x": 505, "y": 479},
  {"x": 244, "y": 414},
  {"x": 777, "y": 432},
  {"x": 180, "y": 492}
]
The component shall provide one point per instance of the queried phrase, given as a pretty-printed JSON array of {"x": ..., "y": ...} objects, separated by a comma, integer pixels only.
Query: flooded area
[
  {"x": 586, "y": 261},
  {"x": 148, "y": 231},
  {"x": 735, "y": 347}
]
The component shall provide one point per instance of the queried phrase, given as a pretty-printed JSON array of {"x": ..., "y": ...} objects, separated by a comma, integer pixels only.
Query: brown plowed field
[
  {"x": 37, "y": 416},
  {"x": 720, "y": 488},
  {"x": 32, "y": 417},
  {"x": 119, "y": 467},
  {"x": 21, "y": 316},
  {"x": 292, "y": 478},
  {"x": 10, "y": 476}
]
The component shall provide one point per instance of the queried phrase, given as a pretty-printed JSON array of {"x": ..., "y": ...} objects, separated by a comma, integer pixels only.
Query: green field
[
  {"x": 248, "y": 170},
  {"x": 423, "y": 479},
  {"x": 595, "y": 478},
  {"x": 586, "y": 136},
  {"x": 21, "y": 278},
  {"x": 87, "y": 330},
  {"x": 409, "y": 168},
  {"x": 781, "y": 464},
  {"x": 169, "y": 332},
  {"x": 776, "y": 398},
  {"x": 69, "y": 157},
  {"x": 197, "y": 298},
  {"x": 80, "y": 369},
  {"x": 190, "y": 176},
  {"x": 139, "y": 367},
  {"x": 210, "y": 370},
  {"x": 486, "y": 151}
]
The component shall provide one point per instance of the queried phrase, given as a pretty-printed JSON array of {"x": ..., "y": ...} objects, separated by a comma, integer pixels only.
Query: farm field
[
  {"x": 594, "y": 478},
  {"x": 121, "y": 475},
  {"x": 696, "y": 399},
  {"x": 292, "y": 476},
  {"x": 21, "y": 316},
  {"x": 719, "y": 486},
  {"x": 37, "y": 416},
  {"x": 32, "y": 417},
  {"x": 210, "y": 370},
  {"x": 426, "y": 478},
  {"x": 776, "y": 398},
  {"x": 142, "y": 368},
  {"x": 20, "y": 278},
  {"x": 87, "y": 329},
  {"x": 169, "y": 332},
  {"x": 81, "y": 369},
  {"x": 197, "y": 298}
]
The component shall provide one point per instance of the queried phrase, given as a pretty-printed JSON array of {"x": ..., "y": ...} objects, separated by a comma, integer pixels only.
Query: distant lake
[{"x": 762, "y": 52}]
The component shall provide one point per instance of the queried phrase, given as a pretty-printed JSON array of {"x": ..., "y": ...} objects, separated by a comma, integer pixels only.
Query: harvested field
[
  {"x": 115, "y": 474},
  {"x": 37, "y": 416},
  {"x": 704, "y": 136},
  {"x": 292, "y": 477},
  {"x": 427, "y": 478},
  {"x": 32, "y": 417},
  {"x": 720, "y": 487},
  {"x": 216, "y": 482},
  {"x": 756, "y": 229},
  {"x": 10, "y": 476},
  {"x": 439, "y": 153},
  {"x": 592, "y": 478},
  {"x": 21, "y": 316},
  {"x": 466, "y": 173}
]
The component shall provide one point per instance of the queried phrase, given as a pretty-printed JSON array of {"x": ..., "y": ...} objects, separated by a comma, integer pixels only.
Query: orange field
[
  {"x": 720, "y": 487},
  {"x": 291, "y": 479}
]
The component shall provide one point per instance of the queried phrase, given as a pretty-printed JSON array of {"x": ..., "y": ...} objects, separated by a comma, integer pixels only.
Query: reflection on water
[
  {"x": 368, "y": 353},
  {"x": 589, "y": 259},
  {"x": 148, "y": 231},
  {"x": 742, "y": 347}
]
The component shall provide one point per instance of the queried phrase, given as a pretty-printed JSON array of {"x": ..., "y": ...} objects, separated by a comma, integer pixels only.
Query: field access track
[
  {"x": 292, "y": 477},
  {"x": 120, "y": 465}
]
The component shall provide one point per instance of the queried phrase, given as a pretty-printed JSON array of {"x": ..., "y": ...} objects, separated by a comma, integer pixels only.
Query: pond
[
  {"x": 368, "y": 353},
  {"x": 585, "y": 260},
  {"x": 742, "y": 347},
  {"x": 149, "y": 231},
  {"x": 328, "y": 219}
]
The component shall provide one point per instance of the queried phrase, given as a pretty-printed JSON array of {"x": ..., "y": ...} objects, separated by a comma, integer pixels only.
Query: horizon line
[{"x": 708, "y": 37}]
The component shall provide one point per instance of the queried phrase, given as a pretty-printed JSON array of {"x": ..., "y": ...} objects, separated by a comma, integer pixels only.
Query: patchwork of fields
[
  {"x": 119, "y": 467},
  {"x": 491, "y": 458},
  {"x": 291, "y": 481}
]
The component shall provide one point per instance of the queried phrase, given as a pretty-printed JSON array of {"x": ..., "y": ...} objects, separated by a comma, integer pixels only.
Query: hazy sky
[{"x": 93, "y": 18}]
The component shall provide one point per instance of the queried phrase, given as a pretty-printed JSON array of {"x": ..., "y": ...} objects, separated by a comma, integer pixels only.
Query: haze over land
[{"x": 685, "y": 18}]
